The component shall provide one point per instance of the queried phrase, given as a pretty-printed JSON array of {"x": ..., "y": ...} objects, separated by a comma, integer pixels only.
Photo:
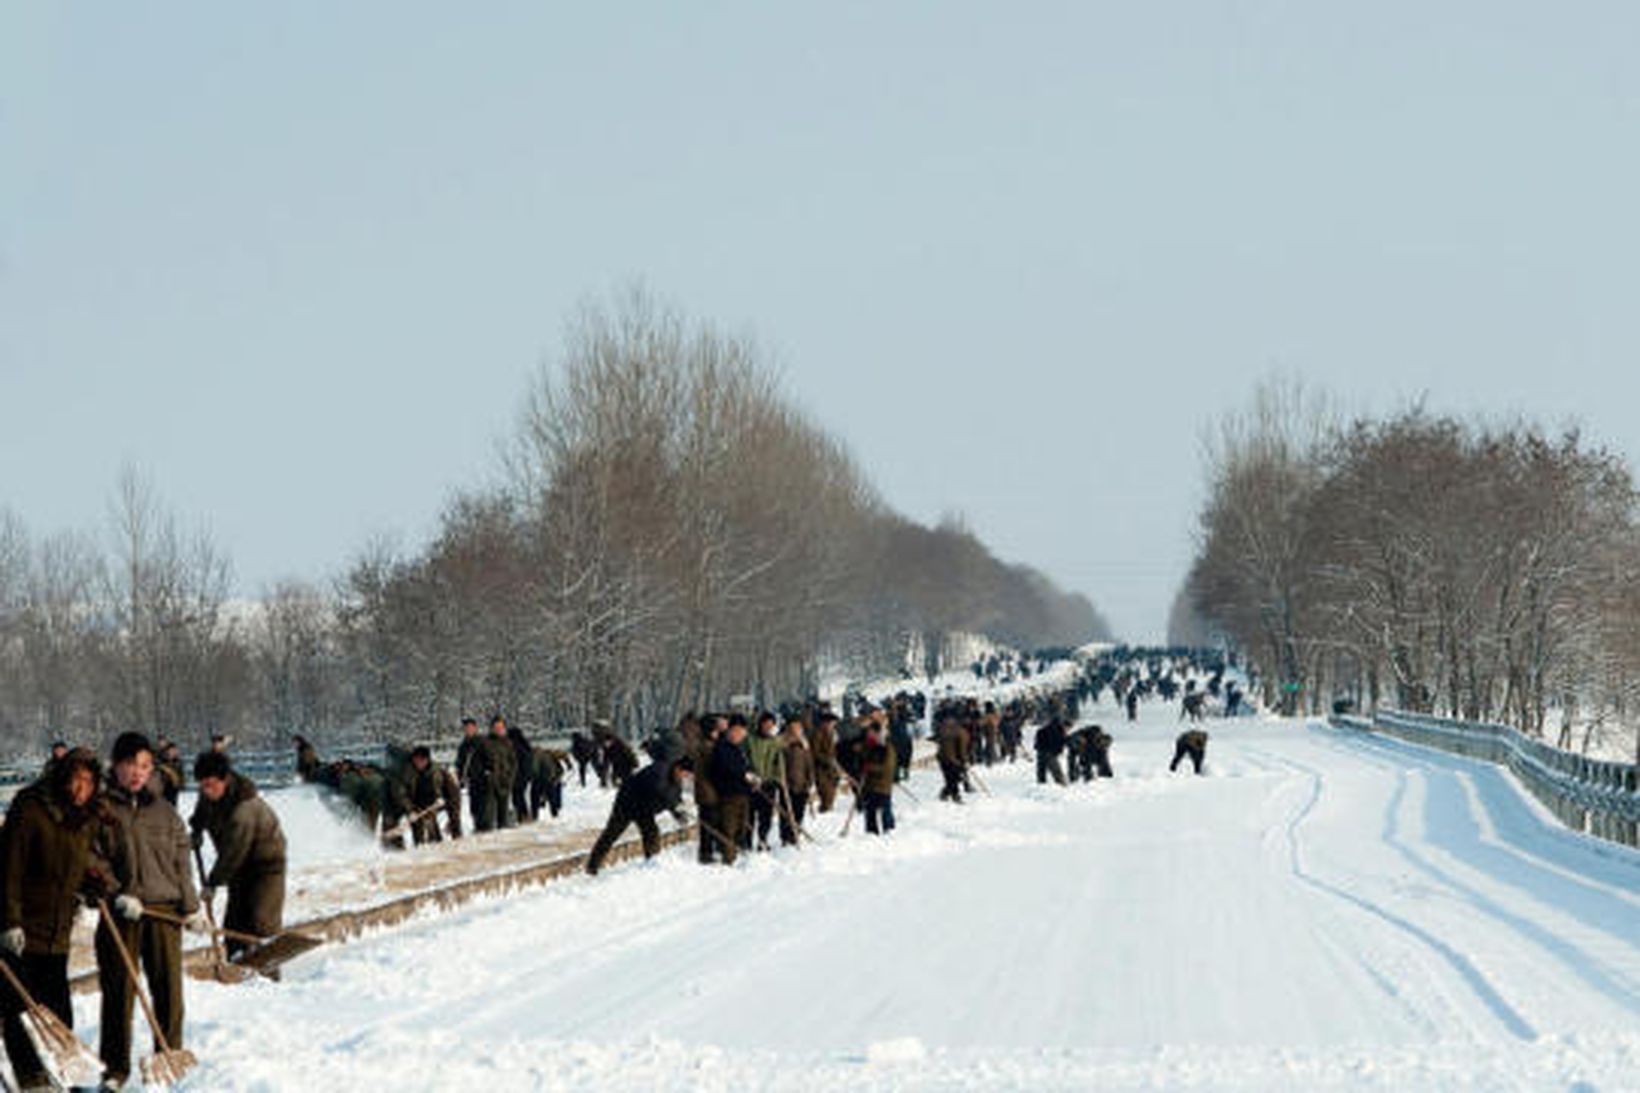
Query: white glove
[
  {"x": 197, "y": 922},
  {"x": 753, "y": 780},
  {"x": 13, "y": 941},
  {"x": 128, "y": 907}
]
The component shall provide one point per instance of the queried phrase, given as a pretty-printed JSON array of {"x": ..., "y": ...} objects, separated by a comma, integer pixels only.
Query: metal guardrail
[{"x": 1593, "y": 796}]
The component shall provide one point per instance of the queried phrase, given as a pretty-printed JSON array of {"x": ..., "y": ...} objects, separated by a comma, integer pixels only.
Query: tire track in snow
[
  {"x": 1483, "y": 989},
  {"x": 1470, "y": 801}
]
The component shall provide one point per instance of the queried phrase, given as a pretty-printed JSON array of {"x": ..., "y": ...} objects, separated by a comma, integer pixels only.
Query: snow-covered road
[{"x": 1320, "y": 910}]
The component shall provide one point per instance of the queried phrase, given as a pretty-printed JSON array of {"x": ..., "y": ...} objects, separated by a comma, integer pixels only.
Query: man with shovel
[
  {"x": 250, "y": 849},
  {"x": 146, "y": 844}
]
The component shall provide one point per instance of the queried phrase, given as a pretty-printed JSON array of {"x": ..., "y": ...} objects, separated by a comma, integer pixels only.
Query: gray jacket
[{"x": 147, "y": 846}]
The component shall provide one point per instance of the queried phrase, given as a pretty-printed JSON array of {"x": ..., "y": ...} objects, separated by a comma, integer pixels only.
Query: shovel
[
  {"x": 220, "y": 968},
  {"x": 68, "y": 1061},
  {"x": 409, "y": 822},
  {"x": 165, "y": 1067},
  {"x": 265, "y": 955}
]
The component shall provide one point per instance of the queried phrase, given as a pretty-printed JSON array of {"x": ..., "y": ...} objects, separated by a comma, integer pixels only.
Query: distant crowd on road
[{"x": 74, "y": 838}]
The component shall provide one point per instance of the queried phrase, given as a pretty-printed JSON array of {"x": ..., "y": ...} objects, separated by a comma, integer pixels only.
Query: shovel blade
[
  {"x": 220, "y": 971},
  {"x": 268, "y": 957},
  {"x": 166, "y": 1068},
  {"x": 65, "y": 1056}
]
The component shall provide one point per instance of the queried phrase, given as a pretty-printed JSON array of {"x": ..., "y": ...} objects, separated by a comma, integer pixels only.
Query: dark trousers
[
  {"x": 551, "y": 795},
  {"x": 735, "y": 813},
  {"x": 524, "y": 805},
  {"x": 46, "y": 977},
  {"x": 1101, "y": 762},
  {"x": 501, "y": 805},
  {"x": 825, "y": 786},
  {"x": 1048, "y": 763},
  {"x": 619, "y": 820},
  {"x": 1182, "y": 750},
  {"x": 256, "y": 905},
  {"x": 709, "y": 847},
  {"x": 953, "y": 773},
  {"x": 879, "y": 808},
  {"x": 481, "y": 803},
  {"x": 765, "y": 802},
  {"x": 157, "y": 949},
  {"x": 788, "y": 833}
]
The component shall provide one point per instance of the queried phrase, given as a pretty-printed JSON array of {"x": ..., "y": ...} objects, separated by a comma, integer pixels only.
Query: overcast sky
[{"x": 298, "y": 261}]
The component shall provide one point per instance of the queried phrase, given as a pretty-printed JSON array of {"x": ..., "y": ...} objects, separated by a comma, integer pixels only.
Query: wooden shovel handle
[
  {"x": 178, "y": 920},
  {"x": 136, "y": 975}
]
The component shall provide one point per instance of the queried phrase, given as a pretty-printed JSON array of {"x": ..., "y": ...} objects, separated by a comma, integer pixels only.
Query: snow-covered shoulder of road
[{"x": 1320, "y": 911}]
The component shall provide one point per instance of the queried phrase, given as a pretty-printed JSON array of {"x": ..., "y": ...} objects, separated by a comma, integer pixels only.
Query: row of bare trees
[
  {"x": 1484, "y": 572},
  {"x": 124, "y": 631},
  {"x": 670, "y": 531}
]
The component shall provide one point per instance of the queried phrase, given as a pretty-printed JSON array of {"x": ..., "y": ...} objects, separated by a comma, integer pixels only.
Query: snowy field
[{"x": 1319, "y": 912}]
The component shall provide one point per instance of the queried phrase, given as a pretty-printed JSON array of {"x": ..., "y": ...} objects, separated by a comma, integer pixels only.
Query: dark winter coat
[
  {"x": 1050, "y": 738},
  {"x": 245, "y": 832},
  {"x": 523, "y": 753},
  {"x": 728, "y": 770},
  {"x": 877, "y": 769},
  {"x": 701, "y": 756},
  {"x": 620, "y": 757},
  {"x": 549, "y": 765},
  {"x": 503, "y": 761},
  {"x": 799, "y": 766},
  {"x": 45, "y": 849},
  {"x": 649, "y": 792},
  {"x": 954, "y": 743},
  {"x": 472, "y": 759},
  {"x": 823, "y": 747}
]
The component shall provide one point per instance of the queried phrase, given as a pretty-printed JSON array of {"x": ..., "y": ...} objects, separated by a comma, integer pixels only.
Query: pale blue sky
[{"x": 298, "y": 260}]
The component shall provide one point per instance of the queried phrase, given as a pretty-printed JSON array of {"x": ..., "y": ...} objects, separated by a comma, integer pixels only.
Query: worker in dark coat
[
  {"x": 587, "y": 754},
  {"x": 146, "y": 844},
  {"x": 877, "y": 769},
  {"x": 46, "y": 867},
  {"x": 732, "y": 778},
  {"x": 799, "y": 779},
  {"x": 955, "y": 753},
  {"x": 430, "y": 787},
  {"x": 656, "y": 788},
  {"x": 250, "y": 849},
  {"x": 547, "y": 780},
  {"x": 712, "y": 727},
  {"x": 618, "y": 757},
  {"x": 473, "y": 772},
  {"x": 826, "y": 771},
  {"x": 1192, "y": 744},
  {"x": 523, "y": 775},
  {"x": 1050, "y": 742},
  {"x": 503, "y": 772}
]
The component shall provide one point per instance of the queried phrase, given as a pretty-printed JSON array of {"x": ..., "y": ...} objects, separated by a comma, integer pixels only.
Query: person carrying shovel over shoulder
[
  {"x": 250, "y": 849},
  {"x": 146, "y": 846}
]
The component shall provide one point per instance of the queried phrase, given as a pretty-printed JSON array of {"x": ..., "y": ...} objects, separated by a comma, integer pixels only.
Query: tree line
[
  {"x": 1481, "y": 571},
  {"x": 669, "y": 530}
]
